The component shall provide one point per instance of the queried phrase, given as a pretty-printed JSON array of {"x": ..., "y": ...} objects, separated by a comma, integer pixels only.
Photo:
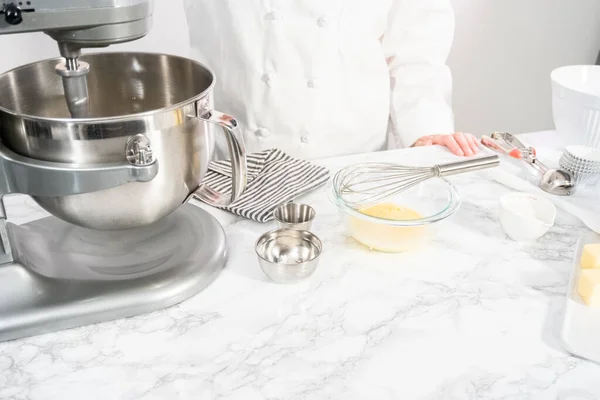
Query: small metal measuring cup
[
  {"x": 294, "y": 216},
  {"x": 288, "y": 255}
]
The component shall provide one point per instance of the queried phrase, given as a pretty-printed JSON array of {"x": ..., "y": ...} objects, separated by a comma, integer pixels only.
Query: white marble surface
[{"x": 472, "y": 316}]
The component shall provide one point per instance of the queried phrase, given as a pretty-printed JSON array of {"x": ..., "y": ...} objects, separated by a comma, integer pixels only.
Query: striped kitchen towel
[{"x": 274, "y": 178}]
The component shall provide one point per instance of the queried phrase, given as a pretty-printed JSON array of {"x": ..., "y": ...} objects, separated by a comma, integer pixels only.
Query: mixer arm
[{"x": 24, "y": 175}]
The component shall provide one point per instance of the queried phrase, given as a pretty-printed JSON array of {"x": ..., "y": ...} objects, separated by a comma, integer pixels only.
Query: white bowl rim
[
  {"x": 572, "y": 67},
  {"x": 543, "y": 199},
  {"x": 558, "y": 77}
]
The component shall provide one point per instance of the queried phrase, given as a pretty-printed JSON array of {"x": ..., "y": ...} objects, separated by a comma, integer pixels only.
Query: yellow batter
[
  {"x": 388, "y": 238},
  {"x": 391, "y": 211}
]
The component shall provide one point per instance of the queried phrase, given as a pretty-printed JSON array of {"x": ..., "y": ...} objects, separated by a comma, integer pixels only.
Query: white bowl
[
  {"x": 526, "y": 217},
  {"x": 576, "y": 103}
]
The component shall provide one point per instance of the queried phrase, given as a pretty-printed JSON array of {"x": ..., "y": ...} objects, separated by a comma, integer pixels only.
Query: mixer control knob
[{"x": 13, "y": 14}]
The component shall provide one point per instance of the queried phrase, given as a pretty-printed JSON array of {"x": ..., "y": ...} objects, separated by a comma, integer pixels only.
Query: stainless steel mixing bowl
[{"x": 165, "y": 98}]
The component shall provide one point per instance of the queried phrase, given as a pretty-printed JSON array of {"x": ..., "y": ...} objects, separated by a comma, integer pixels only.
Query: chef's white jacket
[{"x": 318, "y": 78}]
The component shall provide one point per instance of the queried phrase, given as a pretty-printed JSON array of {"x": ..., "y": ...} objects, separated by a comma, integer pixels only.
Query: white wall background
[{"x": 503, "y": 53}]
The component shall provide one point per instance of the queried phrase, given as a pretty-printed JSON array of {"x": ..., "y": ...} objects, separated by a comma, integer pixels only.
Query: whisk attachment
[{"x": 366, "y": 184}]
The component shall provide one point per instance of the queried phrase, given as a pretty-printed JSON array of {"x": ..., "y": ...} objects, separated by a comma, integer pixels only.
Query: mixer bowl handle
[{"x": 237, "y": 152}]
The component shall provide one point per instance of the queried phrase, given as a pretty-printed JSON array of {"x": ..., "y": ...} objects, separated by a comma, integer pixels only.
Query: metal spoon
[
  {"x": 557, "y": 182},
  {"x": 553, "y": 181}
]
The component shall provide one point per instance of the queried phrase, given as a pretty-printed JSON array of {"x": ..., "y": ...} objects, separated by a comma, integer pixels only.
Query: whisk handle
[{"x": 475, "y": 164}]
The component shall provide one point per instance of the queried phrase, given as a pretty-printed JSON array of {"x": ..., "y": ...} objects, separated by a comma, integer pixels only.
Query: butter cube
[
  {"x": 589, "y": 286},
  {"x": 590, "y": 258}
]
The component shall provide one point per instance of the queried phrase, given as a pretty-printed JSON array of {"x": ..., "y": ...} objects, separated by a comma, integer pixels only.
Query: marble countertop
[{"x": 472, "y": 316}]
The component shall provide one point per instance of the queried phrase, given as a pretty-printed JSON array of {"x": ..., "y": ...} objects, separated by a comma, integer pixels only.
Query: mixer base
[{"x": 65, "y": 276}]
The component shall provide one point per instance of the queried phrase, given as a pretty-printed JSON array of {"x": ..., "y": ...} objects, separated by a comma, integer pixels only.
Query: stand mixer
[{"x": 112, "y": 145}]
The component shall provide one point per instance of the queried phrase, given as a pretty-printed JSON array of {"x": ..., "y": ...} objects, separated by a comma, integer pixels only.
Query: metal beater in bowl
[
  {"x": 366, "y": 184},
  {"x": 74, "y": 77}
]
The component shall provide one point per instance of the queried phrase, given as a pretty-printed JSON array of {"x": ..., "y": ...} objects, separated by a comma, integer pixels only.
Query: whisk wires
[{"x": 363, "y": 185}]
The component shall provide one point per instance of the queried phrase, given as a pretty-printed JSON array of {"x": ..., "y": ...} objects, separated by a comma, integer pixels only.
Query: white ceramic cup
[{"x": 526, "y": 217}]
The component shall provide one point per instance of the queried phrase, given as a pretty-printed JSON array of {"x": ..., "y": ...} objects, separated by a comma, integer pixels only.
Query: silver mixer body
[{"x": 113, "y": 145}]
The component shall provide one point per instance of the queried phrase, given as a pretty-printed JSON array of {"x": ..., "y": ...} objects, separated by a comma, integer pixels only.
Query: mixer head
[{"x": 77, "y": 24}]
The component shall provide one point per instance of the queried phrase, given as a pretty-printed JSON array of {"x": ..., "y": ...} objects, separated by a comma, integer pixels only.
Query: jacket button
[
  {"x": 322, "y": 22},
  {"x": 273, "y": 16},
  {"x": 304, "y": 139},
  {"x": 267, "y": 78},
  {"x": 261, "y": 132},
  {"x": 312, "y": 83}
]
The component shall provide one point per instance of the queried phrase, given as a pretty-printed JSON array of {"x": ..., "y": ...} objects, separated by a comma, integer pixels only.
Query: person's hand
[{"x": 461, "y": 144}]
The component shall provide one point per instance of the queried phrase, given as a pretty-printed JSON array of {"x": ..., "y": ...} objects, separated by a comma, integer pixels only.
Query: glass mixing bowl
[{"x": 403, "y": 222}]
